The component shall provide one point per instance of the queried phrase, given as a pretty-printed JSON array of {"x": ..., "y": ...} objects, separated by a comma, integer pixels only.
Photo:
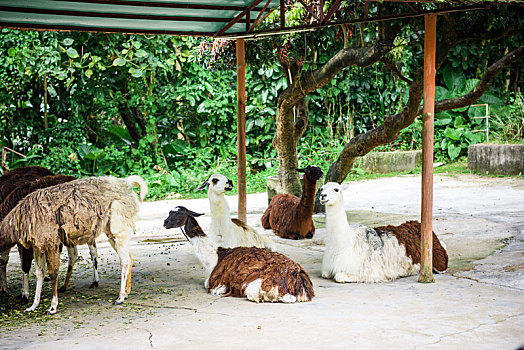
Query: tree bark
[
  {"x": 388, "y": 131},
  {"x": 289, "y": 132},
  {"x": 134, "y": 125}
]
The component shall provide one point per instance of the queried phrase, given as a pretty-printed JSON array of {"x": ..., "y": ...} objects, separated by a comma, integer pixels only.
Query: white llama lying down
[
  {"x": 224, "y": 231},
  {"x": 356, "y": 253},
  {"x": 257, "y": 273}
]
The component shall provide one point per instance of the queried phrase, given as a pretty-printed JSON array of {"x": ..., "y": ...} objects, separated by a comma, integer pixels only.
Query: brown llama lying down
[
  {"x": 74, "y": 213},
  {"x": 10, "y": 180},
  {"x": 26, "y": 255},
  {"x": 257, "y": 273},
  {"x": 292, "y": 217}
]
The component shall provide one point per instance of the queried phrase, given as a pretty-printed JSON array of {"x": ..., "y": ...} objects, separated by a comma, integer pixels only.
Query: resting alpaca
[
  {"x": 224, "y": 231},
  {"x": 257, "y": 273},
  {"x": 74, "y": 213},
  {"x": 26, "y": 255},
  {"x": 292, "y": 217},
  {"x": 356, "y": 253}
]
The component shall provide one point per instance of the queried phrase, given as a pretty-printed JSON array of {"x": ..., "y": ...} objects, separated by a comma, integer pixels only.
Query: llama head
[
  {"x": 330, "y": 193},
  {"x": 217, "y": 183},
  {"x": 312, "y": 172},
  {"x": 181, "y": 216}
]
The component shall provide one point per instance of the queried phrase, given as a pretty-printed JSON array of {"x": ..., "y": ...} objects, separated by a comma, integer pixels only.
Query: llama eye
[
  {"x": 214, "y": 181},
  {"x": 336, "y": 189}
]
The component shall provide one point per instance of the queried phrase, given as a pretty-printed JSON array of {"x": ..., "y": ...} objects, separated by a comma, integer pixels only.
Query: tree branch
[
  {"x": 389, "y": 65},
  {"x": 482, "y": 85},
  {"x": 310, "y": 81}
]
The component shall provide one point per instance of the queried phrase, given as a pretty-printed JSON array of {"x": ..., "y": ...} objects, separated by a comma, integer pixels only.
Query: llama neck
[
  {"x": 337, "y": 224},
  {"x": 205, "y": 251},
  {"x": 307, "y": 201},
  {"x": 220, "y": 215}
]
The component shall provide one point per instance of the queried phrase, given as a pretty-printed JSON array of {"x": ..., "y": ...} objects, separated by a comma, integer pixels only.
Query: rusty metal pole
[
  {"x": 426, "y": 263},
  {"x": 241, "y": 129}
]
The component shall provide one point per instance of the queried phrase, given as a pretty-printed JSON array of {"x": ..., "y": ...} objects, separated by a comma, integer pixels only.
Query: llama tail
[
  {"x": 265, "y": 218},
  {"x": 304, "y": 287},
  {"x": 136, "y": 180}
]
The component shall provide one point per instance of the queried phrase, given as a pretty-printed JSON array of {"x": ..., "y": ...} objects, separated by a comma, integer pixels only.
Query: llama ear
[
  {"x": 202, "y": 187},
  {"x": 303, "y": 170},
  {"x": 192, "y": 213}
]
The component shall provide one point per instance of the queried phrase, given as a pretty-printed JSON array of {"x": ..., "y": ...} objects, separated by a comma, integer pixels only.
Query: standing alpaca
[
  {"x": 356, "y": 253},
  {"x": 26, "y": 255},
  {"x": 257, "y": 273},
  {"x": 292, "y": 217},
  {"x": 74, "y": 213},
  {"x": 224, "y": 231},
  {"x": 9, "y": 181}
]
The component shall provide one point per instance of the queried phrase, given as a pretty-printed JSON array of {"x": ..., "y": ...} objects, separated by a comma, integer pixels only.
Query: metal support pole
[
  {"x": 241, "y": 129},
  {"x": 426, "y": 263}
]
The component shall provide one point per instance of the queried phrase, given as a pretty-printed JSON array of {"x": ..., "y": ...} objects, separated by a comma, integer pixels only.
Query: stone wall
[
  {"x": 388, "y": 162},
  {"x": 496, "y": 159}
]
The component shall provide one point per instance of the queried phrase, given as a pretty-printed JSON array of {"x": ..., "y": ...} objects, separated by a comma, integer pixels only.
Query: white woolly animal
[
  {"x": 356, "y": 253},
  {"x": 224, "y": 231}
]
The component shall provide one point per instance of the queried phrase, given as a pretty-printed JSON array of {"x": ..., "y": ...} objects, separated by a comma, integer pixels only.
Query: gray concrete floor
[{"x": 478, "y": 303}]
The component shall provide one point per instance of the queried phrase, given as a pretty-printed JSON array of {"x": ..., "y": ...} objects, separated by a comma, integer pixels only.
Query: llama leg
[
  {"x": 53, "y": 265},
  {"x": 254, "y": 291},
  {"x": 128, "y": 280},
  {"x": 4, "y": 258},
  {"x": 26, "y": 260},
  {"x": 39, "y": 271},
  {"x": 122, "y": 249},
  {"x": 72, "y": 252},
  {"x": 119, "y": 231},
  {"x": 94, "y": 259}
]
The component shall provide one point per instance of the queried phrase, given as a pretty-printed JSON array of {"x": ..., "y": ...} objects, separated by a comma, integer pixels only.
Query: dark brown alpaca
[
  {"x": 26, "y": 255},
  {"x": 292, "y": 217},
  {"x": 10, "y": 180}
]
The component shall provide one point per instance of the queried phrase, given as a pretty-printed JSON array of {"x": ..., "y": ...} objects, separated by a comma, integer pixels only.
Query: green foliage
[{"x": 180, "y": 102}]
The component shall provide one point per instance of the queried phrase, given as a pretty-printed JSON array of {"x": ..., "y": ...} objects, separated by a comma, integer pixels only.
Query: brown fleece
[
  {"x": 10, "y": 180},
  {"x": 237, "y": 267},
  {"x": 292, "y": 217},
  {"x": 408, "y": 234}
]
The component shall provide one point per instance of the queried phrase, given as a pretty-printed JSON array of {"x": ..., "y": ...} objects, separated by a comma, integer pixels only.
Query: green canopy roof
[{"x": 181, "y": 17}]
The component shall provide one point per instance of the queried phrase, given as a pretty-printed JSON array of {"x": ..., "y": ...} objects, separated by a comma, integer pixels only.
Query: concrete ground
[{"x": 478, "y": 303}]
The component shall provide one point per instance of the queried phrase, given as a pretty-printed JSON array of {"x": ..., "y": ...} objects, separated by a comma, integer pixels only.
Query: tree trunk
[{"x": 134, "y": 127}]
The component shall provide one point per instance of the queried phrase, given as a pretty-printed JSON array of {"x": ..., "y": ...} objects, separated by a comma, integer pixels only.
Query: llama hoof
[
  {"x": 23, "y": 300},
  {"x": 30, "y": 309},
  {"x": 218, "y": 291},
  {"x": 343, "y": 278},
  {"x": 50, "y": 312},
  {"x": 295, "y": 236},
  {"x": 309, "y": 235},
  {"x": 118, "y": 302},
  {"x": 94, "y": 285},
  {"x": 288, "y": 299},
  {"x": 61, "y": 289}
]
